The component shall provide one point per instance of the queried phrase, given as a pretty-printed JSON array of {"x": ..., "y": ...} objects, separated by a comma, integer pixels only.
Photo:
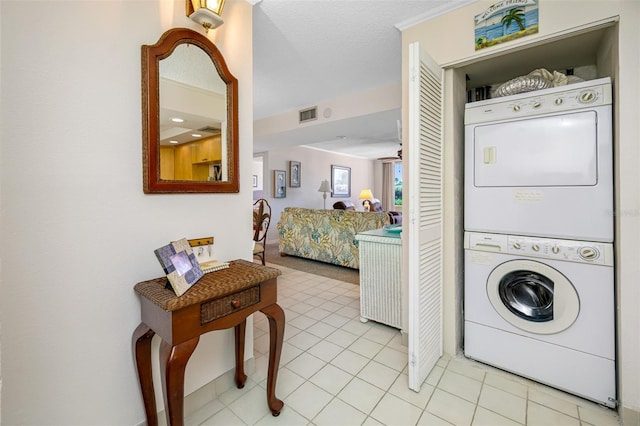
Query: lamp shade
[
  {"x": 206, "y": 12},
  {"x": 324, "y": 186},
  {"x": 365, "y": 194}
]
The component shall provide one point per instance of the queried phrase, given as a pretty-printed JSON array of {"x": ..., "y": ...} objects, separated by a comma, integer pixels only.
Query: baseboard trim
[
  {"x": 630, "y": 417},
  {"x": 207, "y": 393}
]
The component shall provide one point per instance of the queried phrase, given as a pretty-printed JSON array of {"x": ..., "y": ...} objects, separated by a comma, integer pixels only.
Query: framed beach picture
[
  {"x": 340, "y": 181},
  {"x": 279, "y": 184},
  {"x": 505, "y": 21},
  {"x": 294, "y": 174}
]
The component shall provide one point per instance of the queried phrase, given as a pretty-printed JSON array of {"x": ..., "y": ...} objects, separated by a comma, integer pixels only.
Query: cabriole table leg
[
  {"x": 240, "y": 331},
  {"x": 275, "y": 315},
  {"x": 141, "y": 341},
  {"x": 174, "y": 359}
]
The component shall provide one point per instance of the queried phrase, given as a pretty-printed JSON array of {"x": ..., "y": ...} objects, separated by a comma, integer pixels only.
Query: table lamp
[{"x": 324, "y": 188}]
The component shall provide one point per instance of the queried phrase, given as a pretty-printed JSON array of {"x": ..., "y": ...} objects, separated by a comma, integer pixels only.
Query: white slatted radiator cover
[{"x": 380, "y": 279}]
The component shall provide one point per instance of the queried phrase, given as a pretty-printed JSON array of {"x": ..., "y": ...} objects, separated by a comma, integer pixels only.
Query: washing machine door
[{"x": 533, "y": 296}]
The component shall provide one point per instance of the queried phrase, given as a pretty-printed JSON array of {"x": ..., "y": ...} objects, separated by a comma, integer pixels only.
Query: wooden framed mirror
[{"x": 189, "y": 116}]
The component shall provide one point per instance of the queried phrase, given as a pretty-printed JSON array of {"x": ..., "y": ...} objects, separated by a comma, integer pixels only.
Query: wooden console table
[{"x": 219, "y": 300}]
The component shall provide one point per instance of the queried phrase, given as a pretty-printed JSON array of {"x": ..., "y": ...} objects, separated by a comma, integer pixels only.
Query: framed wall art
[
  {"x": 340, "y": 181},
  {"x": 505, "y": 21},
  {"x": 279, "y": 184},
  {"x": 294, "y": 174}
]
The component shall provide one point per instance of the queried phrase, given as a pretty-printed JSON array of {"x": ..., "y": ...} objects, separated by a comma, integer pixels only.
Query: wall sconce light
[
  {"x": 324, "y": 188},
  {"x": 206, "y": 12},
  {"x": 366, "y": 195}
]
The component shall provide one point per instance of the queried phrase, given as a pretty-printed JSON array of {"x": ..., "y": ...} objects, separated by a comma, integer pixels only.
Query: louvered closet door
[{"x": 424, "y": 232}]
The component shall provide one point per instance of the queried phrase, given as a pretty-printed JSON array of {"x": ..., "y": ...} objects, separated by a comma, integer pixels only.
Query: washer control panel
[
  {"x": 568, "y": 250},
  {"x": 557, "y": 99},
  {"x": 547, "y": 248}
]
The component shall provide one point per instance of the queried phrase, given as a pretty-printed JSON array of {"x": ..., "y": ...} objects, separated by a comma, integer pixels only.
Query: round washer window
[
  {"x": 528, "y": 295},
  {"x": 533, "y": 296}
]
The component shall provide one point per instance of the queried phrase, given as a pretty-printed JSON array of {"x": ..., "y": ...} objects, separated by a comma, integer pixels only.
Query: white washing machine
[
  {"x": 543, "y": 309},
  {"x": 540, "y": 163}
]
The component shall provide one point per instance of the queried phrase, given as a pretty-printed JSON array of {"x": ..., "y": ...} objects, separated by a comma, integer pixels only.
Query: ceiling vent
[
  {"x": 209, "y": 129},
  {"x": 308, "y": 114}
]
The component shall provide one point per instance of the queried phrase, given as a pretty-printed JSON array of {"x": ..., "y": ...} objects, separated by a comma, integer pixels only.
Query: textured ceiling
[{"x": 309, "y": 51}]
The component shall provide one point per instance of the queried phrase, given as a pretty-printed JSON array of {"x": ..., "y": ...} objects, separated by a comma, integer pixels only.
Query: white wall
[
  {"x": 315, "y": 166},
  {"x": 77, "y": 231},
  {"x": 557, "y": 16},
  {"x": 283, "y": 130}
]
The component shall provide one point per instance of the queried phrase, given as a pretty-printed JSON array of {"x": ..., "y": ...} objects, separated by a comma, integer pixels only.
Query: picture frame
[
  {"x": 505, "y": 21},
  {"x": 279, "y": 184},
  {"x": 294, "y": 174},
  {"x": 217, "y": 172},
  {"x": 180, "y": 265},
  {"x": 255, "y": 181},
  {"x": 340, "y": 181}
]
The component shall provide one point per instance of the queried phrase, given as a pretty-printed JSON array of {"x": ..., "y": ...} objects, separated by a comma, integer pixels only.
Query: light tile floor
[{"x": 337, "y": 371}]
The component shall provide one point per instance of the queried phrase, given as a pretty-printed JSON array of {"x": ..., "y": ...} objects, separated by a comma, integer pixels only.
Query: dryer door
[
  {"x": 557, "y": 151},
  {"x": 533, "y": 296}
]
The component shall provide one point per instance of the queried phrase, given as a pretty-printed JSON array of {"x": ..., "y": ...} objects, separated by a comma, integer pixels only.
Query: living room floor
[{"x": 337, "y": 371}]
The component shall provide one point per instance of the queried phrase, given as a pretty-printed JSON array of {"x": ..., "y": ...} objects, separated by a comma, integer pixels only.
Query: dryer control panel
[
  {"x": 546, "y": 101},
  {"x": 547, "y": 248}
]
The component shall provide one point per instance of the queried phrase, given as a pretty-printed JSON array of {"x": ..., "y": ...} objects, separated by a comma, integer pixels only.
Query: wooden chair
[{"x": 261, "y": 219}]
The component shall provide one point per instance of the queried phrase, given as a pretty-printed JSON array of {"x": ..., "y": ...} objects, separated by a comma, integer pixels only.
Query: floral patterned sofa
[{"x": 326, "y": 235}]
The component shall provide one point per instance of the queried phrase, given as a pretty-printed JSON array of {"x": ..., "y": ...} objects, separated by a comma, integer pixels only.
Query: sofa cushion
[
  {"x": 395, "y": 218},
  {"x": 344, "y": 205}
]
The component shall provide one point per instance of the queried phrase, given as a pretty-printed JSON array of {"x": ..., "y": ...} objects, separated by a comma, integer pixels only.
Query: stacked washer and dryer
[{"x": 539, "y": 275}]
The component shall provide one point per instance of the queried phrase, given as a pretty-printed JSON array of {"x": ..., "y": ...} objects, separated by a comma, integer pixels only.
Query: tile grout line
[{"x": 475, "y": 409}]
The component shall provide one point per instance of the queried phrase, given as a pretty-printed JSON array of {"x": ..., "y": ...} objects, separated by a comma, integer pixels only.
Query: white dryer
[
  {"x": 543, "y": 309},
  {"x": 541, "y": 164}
]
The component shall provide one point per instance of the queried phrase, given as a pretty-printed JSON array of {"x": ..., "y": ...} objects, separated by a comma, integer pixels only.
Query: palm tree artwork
[{"x": 514, "y": 15}]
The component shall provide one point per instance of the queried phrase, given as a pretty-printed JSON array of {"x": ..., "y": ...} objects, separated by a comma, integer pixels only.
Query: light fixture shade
[
  {"x": 206, "y": 12},
  {"x": 215, "y": 6},
  {"x": 324, "y": 186},
  {"x": 365, "y": 194}
]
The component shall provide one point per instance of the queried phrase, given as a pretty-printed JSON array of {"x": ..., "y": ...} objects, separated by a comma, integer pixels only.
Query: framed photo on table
[
  {"x": 279, "y": 184},
  {"x": 340, "y": 182},
  {"x": 294, "y": 174}
]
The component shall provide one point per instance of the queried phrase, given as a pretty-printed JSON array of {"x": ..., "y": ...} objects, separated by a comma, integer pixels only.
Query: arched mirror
[{"x": 190, "y": 116}]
